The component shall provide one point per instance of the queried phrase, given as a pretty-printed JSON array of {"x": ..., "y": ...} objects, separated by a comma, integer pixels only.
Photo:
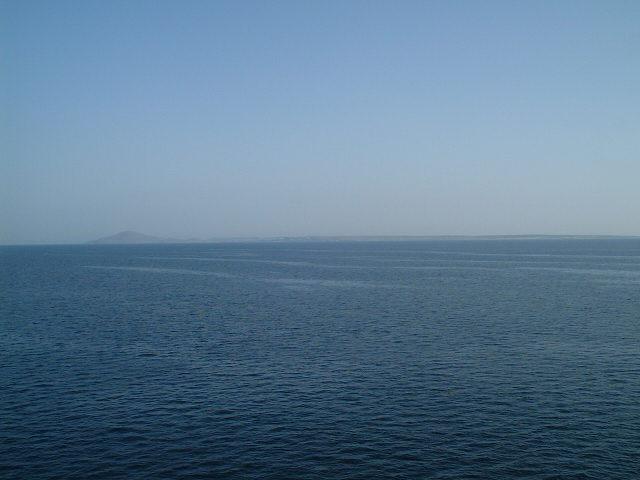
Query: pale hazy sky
[{"x": 205, "y": 118}]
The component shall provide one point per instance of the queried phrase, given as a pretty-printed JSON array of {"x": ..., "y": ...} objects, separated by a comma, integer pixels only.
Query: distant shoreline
[{"x": 149, "y": 240}]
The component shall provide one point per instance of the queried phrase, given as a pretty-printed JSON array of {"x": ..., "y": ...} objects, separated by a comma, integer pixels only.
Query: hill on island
[{"x": 131, "y": 237}]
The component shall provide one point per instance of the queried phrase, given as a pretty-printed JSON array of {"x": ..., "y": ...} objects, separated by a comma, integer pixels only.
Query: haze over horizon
[{"x": 258, "y": 119}]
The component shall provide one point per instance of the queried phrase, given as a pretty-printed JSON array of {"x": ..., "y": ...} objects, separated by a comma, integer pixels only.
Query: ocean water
[{"x": 437, "y": 359}]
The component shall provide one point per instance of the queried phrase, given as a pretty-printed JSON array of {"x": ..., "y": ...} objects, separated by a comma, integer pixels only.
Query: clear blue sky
[{"x": 205, "y": 118}]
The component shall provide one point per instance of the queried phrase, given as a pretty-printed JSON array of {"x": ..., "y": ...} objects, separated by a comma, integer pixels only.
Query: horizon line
[{"x": 275, "y": 238}]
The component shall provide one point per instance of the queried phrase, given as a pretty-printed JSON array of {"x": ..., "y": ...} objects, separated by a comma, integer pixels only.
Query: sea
[{"x": 431, "y": 359}]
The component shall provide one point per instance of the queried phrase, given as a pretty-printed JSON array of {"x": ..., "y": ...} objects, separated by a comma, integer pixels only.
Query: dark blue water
[{"x": 435, "y": 359}]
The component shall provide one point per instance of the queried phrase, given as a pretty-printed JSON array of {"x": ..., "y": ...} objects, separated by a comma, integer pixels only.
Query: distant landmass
[{"x": 129, "y": 237}]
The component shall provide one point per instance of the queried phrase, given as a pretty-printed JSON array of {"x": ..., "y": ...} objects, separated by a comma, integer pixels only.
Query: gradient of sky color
[{"x": 212, "y": 118}]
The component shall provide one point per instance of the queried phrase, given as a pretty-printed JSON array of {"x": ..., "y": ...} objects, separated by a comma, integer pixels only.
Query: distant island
[{"x": 130, "y": 237}]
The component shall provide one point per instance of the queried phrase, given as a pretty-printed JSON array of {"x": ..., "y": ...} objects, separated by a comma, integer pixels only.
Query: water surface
[{"x": 434, "y": 359}]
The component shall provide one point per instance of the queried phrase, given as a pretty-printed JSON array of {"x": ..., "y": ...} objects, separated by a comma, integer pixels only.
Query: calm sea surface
[{"x": 434, "y": 359}]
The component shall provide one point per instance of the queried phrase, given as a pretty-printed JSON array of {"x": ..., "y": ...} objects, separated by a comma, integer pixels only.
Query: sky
[{"x": 269, "y": 118}]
